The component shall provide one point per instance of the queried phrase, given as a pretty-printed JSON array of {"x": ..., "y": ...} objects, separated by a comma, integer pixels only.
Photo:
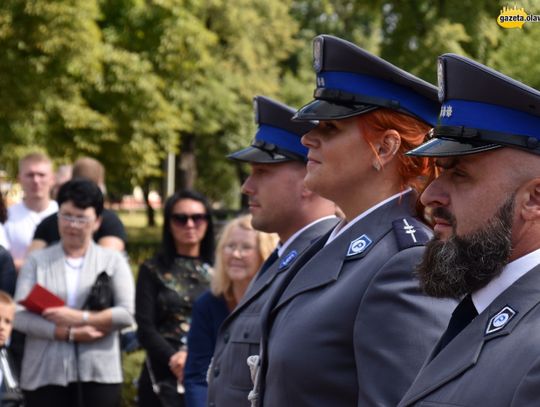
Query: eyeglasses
[
  {"x": 182, "y": 219},
  {"x": 242, "y": 248},
  {"x": 75, "y": 220}
]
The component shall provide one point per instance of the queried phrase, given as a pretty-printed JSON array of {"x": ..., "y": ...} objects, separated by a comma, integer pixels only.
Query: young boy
[
  {"x": 7, "y": 313},
  {"x": 10, "y": 394}
]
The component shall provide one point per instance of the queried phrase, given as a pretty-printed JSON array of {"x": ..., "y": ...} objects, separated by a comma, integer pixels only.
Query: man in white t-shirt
[{"x": 36, "y": 179}]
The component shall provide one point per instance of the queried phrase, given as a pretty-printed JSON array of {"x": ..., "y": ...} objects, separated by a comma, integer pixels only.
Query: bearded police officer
[
  {"x": 485, "y": 206},
  {"x": 279, "y": 203}
]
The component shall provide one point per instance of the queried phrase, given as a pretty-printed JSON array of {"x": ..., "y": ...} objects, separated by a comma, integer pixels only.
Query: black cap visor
[
  {"x": 440, "y": 147},
  {"x": 256, "y": 155},
  {"x": 320, "y": 109}
]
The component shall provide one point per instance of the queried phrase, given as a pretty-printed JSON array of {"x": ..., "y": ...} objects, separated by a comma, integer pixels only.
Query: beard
[{"x": 462, "y": 265}]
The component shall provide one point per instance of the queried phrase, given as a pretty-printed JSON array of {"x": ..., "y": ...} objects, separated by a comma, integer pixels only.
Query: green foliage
[
  {"x": 48, "y": 53},
  {"x": 131, "y": 367},
  {"x": 143, "y": 241},
  {"x": 411, "y": 34},
  {"x": 126, "y": 81},
  {"x": 518, "y": 53}
]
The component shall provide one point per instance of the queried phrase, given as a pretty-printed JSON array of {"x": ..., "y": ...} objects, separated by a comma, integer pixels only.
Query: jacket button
[
  {"x": 226, "y": 337},
  {"x": 216, "y": 371},
  {"x": 246, "y": 335}
]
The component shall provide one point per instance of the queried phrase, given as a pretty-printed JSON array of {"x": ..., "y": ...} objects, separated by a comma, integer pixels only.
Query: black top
[
  {"x": 111, "y": 225},
  {"x": 163, "y": 301}
]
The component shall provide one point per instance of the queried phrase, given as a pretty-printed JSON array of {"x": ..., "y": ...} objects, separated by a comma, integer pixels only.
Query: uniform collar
[
  {"x": 342, "y": 226},
  {"x": 510, "y": 274},
  {"x": 282, "y": 248}
]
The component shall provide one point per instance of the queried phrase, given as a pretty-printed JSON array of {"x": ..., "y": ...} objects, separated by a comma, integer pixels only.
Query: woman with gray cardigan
[{"x": 73, "y": 355}]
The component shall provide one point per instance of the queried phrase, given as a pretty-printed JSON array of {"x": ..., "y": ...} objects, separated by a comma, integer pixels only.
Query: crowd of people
[{"x": 390, "y": 257}]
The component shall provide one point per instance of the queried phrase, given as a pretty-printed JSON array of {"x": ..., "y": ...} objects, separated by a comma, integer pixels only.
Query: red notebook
[{"x": 40, "y": 299}]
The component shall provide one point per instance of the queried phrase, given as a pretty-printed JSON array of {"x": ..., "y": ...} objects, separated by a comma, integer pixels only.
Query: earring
[{"x": 377, "y": 165}]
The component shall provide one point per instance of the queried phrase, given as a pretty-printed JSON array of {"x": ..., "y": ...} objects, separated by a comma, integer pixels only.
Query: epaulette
[{"x": 410, "y": 232}]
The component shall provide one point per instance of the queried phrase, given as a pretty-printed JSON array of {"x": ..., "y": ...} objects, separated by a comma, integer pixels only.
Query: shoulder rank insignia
[
  {"x": 500, "y": 319},
  {"x": 409, "y": 233},
  {"x": 359, "y": 245},
  {"x": 287, "y": 260}
]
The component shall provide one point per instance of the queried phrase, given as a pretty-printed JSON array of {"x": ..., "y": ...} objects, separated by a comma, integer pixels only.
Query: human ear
[
  {"x": 388, "y": 146},
  {"x": 530, "y": 207},
  {"x": 306, "y": 192},
  {"x": 97, "y": 224}
]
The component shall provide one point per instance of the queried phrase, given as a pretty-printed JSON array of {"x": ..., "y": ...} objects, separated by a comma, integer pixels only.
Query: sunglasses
[{"x": 182, "y": 219}]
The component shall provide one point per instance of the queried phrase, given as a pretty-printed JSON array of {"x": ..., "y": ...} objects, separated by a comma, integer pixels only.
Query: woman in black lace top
[{"x": 167, "y": 285}]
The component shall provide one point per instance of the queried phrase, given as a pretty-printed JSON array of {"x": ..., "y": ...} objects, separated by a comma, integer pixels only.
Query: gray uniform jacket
[
  {"x": 51, "y": 362},
  {"x": 239, "y": 335},
  {"x": 352, "y": 327},
  {"x": 494, "y": 361}
]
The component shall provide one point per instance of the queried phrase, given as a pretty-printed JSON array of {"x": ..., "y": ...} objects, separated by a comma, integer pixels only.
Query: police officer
[
  {"x": 349, "y": 326},
  {"x": 279, "y": 203},
  {"x": 486, "y": 209}
]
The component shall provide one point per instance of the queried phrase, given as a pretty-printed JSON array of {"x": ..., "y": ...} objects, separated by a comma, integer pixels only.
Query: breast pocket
[{"x": 244, "y": 342}]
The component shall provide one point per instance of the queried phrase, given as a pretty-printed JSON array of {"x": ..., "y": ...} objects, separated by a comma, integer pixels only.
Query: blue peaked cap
[
  {"x": 277, "y": 138},
  {"x": 481, "y": 110},
  {"x": 352, "y": 81}
]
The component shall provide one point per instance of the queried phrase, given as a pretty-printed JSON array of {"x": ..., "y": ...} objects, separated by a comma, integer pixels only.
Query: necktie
[
  {"x": 464, "y": 313},
  {"x": 267, "y": 263}
]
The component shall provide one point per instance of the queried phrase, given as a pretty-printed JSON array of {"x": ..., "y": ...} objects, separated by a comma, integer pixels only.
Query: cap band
[
  {"x": 408, "y": 101},
  {"x": 489, "y": 117},
  {"x": 284, "y": 140},
  {"x": 484, "y": 137}
]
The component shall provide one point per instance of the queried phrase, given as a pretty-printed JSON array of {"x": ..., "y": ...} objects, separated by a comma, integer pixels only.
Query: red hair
[{"x": 416, "y": 172}]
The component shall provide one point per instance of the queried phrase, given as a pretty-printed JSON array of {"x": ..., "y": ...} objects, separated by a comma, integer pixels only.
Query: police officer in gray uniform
[
  {"x": 349, "y": 325},
  {"x": 279, "y": 203},
  {"x": 486, "y": 250}
]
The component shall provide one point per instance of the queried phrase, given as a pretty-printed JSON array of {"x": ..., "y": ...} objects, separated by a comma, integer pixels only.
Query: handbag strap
[{"x": 155, "y": 386}]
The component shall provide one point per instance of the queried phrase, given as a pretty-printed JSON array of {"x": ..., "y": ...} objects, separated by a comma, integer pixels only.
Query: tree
[
  {"x": 132, "y": 80},
  {"x": 71, "y": 92},
  {"x": 213, "y": 57},
  {"x": 48, "y": 54}
]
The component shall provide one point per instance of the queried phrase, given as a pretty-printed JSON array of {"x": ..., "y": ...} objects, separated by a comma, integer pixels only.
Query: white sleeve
[{"x": 3, "y": 237}]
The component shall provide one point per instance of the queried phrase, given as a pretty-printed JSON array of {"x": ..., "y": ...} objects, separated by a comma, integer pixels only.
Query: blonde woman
[{"x": 240, "y": 253}]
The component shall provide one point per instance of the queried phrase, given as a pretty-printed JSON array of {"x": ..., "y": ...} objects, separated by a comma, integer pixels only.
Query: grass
[
  {"x": 137, "y": 218},
  {"x": 143, "y": 240},
  {"x": 131, "y": 366},
  {"x": 142, "y": 243}
]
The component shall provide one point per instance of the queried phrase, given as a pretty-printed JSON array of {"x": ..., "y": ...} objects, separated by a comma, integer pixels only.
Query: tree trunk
[
  {"x": 150, "y": 213},
  {"x": 186, "y": 170},
  {"x": 242, "y": 175}
]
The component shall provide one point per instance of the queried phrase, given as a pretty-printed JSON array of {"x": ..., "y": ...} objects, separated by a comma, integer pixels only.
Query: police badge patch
[
  {"x": 500, "y": 320},
  {"x": 359, "y": 245},
  {"x": 287, "y": 260}
]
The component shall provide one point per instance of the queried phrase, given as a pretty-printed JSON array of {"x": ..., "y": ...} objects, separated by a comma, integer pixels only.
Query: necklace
[{"x": 75, "y": 264}]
